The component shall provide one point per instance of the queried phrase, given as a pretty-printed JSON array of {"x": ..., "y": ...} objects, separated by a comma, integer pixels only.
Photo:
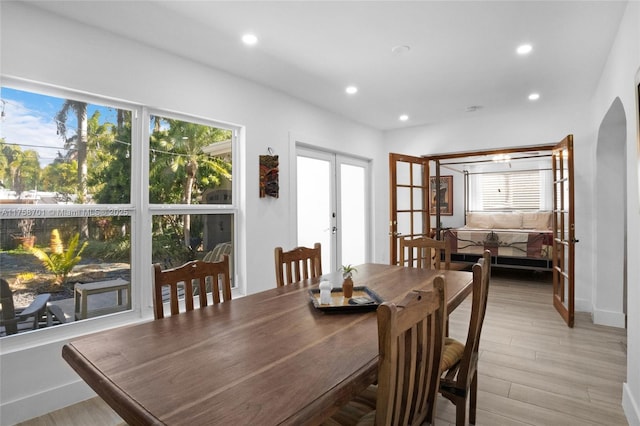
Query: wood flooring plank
[{"x": 575, "y": 408}]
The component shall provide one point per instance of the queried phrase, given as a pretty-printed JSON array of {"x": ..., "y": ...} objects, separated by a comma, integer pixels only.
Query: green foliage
[
  {"x": 115, "y": 249},
  {"x": 169, "y": 251},
  {"x": 61, "y": 177},
  {"x": 61, "y": 264},
  {"x": 110, "y": 167},
  {"x": 20, "y": 169},
  {"x": 348, "y": 270}
]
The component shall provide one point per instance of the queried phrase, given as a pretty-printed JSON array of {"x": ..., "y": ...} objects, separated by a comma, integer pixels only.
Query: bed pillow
[
  {"x": 479, "y": 220},
  {"x": 507, "y": 220},
  {"x": 536, "y": 220}
]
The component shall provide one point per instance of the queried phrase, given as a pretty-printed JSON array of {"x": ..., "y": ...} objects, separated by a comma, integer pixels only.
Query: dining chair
[
  {"x": 425, "y": 252},
  {"x": 300, "y": 263},
  {"x": 410, "y": 344},
  {"x": 460, "y": 362},
  {"x": 196, "y": 277},
  {"x": 14, "y": 319}
]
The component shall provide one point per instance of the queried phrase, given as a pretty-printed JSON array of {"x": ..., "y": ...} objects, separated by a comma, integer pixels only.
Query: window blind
[{"x": 515, "y": 190}]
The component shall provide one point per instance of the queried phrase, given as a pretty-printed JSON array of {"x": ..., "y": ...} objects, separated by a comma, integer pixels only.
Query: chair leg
[
  {"x": 473, "y": 397},
  {"x": 461, "y": 410}
]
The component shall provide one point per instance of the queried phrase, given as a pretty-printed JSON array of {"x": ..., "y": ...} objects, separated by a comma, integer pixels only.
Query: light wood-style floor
[{"x": 533, "y": 369}]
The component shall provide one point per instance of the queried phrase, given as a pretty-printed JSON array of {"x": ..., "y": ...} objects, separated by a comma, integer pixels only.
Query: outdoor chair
[{"x": 14, "y": 320}]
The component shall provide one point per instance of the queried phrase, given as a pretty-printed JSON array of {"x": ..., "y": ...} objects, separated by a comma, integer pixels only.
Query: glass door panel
[{"x": 315, "y": 205}]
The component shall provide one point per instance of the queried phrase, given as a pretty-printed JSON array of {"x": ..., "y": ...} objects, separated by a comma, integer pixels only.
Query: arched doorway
[{"x": 611, "y": 219}]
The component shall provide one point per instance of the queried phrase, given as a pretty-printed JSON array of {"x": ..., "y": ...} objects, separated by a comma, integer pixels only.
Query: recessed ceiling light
[
  {"x": 249, "y": 39},
  {"x": 524, "y": 49},
  {"x": 399, "y": 50},
  {"x": 403, "y": 117},
  {"x": 351, "y": 90},
  {"x": 534, "y": 96}
]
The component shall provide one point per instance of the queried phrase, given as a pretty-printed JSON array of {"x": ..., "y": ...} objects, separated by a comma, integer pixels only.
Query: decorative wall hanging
[
  {"x": 269, "y": 175},
  {"x": 446, "y": 195}
]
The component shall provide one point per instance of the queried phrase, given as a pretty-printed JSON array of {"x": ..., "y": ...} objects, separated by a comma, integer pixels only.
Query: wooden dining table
[{"x": 270, "y": 358}]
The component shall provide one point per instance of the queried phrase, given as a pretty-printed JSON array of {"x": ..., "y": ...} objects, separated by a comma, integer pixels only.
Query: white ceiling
[{"x": 462, "y": 53}]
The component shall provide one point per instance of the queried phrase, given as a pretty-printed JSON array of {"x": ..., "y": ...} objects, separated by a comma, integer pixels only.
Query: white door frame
[{"x": 308, "y": 144}]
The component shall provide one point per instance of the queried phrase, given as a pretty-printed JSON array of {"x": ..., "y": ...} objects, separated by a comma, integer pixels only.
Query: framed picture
[{"x": 445, "y": 195}]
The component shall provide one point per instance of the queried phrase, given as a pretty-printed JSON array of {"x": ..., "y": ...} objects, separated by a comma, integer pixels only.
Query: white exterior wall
[{"x": 34, "y": 379}]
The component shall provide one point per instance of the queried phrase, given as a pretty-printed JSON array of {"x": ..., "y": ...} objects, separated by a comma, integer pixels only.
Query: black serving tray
[{"x": 339, "y": 304}]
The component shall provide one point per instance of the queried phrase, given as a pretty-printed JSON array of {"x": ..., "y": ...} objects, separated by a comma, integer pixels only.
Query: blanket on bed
[{"x": 503, "y": 242}]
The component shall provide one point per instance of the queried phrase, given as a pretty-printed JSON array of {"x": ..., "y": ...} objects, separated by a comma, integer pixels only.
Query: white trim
[
  {"x": 45, "y": 402},
  {"x": 631, "y": 410},
  {"x": 609, "y": 318}
]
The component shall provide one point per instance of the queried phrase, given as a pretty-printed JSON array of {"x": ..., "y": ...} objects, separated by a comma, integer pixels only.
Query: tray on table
[{"x": 368, "y": 298}]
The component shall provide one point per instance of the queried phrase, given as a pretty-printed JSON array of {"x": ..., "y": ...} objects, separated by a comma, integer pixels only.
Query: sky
[{"x": 29, "y": 121}]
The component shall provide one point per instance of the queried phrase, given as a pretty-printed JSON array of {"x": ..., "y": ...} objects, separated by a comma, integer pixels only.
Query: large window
[
  {"x": 190, "y": 167},
  {"x": 511, "y": 190},
  {"x": 514, "y": 184},
  {"x": 70, "y": 199}
]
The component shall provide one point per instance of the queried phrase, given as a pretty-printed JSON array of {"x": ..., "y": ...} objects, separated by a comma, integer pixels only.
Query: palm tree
[
  {"x": 78, "y": 145},
  {"x": 188, "y": 139},
  {"x": 24, "y": 169}
]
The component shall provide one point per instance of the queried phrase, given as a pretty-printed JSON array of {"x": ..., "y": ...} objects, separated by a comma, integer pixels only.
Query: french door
[
  {"x": 409, "y": 200},
  {"x": 564, "y": 238},
  {"x": 333, "y": 206},
  {"x": 410, "y": 207}
]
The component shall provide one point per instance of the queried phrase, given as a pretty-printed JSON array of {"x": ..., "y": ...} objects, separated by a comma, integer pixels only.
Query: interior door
[
  {"x": 408, "y": 199},
  {"x": 333, "y": 206},
  {"x": 563, "y": 230}
]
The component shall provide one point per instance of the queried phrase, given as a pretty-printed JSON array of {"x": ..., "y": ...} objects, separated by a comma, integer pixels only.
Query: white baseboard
[
  {"x": 630, "y": 406},
  {"x": 19, "y": 410},
  {"x": 612, "y": 319}
]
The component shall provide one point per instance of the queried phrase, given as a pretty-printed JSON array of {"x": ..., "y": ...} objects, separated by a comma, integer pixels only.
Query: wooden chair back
[
  {"x": 411, "y": 340},
  {"x": 300, "y": 263},
  {"x": 425, "y": 252},
  {"x": 462, "y": 378},
  {"x": 196, "y": 277}
]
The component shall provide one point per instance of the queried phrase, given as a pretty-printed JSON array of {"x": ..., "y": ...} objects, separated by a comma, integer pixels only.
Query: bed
[{"x": 515, "y": 239}]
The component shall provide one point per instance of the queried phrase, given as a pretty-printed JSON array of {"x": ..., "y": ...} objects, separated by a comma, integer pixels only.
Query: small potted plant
[
  {"x": 26, "y": 240},
  {"x": 347, "y": 283}
]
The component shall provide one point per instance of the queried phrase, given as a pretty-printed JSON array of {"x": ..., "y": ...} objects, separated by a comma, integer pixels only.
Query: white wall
[
  {"x": 619, "y": 80},
  {"x": 40, "y": 47}
]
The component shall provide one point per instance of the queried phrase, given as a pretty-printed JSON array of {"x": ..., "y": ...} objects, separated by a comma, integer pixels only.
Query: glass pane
[
  {"x": 403, "y": 198},
  {"x": 56, "y": 150},
  {"x": 314, "y": 205},
  {"x": 187, "y": 161},
  {"x": 402, "y": 173},
  {"x": 178, "y": 239},
  {"x": 404, "y": 224},
  {"x": 48, "y": 257},
  {"x": 353, "y": 191}
]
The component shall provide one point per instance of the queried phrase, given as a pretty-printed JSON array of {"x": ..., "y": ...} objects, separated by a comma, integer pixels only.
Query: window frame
[{"x": 138, "y": 209}]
